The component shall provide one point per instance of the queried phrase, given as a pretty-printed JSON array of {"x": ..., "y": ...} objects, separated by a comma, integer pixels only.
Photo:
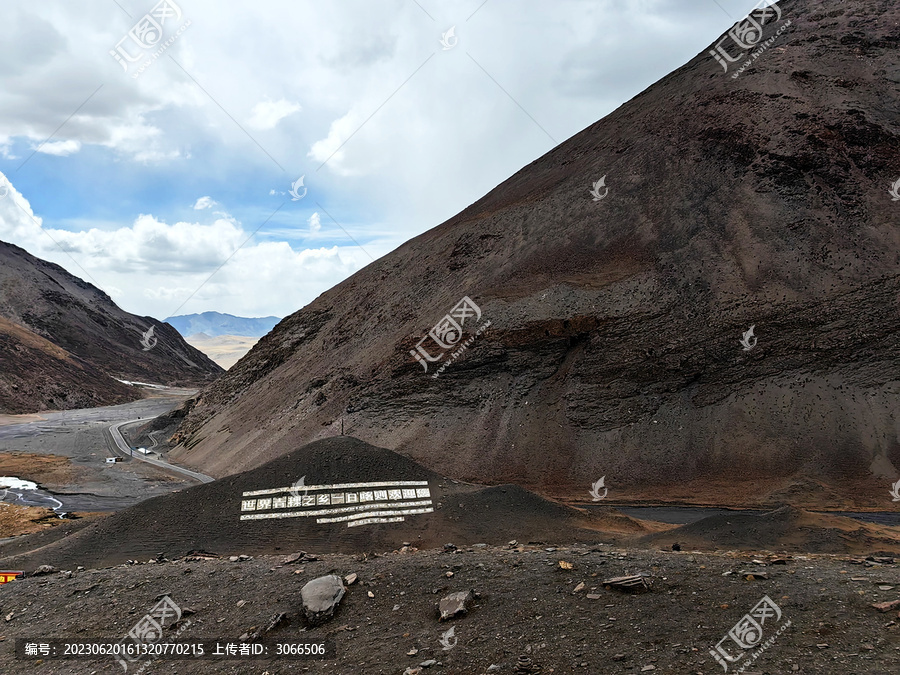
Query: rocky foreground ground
[{"x": 539, "y": 607}]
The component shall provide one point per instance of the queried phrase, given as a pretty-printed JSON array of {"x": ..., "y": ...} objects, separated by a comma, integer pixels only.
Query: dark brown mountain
[
  {"x": 65, "y": 342},
  {"x": 35, "y": 375},
  {"x": 615, "y": 325}
]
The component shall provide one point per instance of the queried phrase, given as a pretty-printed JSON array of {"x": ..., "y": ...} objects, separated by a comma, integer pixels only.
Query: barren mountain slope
[
  {"x": 84, "y": 321},
  {"x": 37, "y": 375},
  {"x": 613, "y": 348}
]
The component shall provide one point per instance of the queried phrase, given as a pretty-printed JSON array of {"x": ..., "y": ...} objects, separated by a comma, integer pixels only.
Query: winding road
[{"x": 120, "y": 446}]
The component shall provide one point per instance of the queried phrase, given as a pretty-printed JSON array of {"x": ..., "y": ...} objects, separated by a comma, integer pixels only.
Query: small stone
[
  {"x": 241, "y": 603},
  {"x": 232, "y": 558},
  {"x": 428, "y": 663},
  {"x": 370, "y": 594},
  {"x": 321, "y": 597},
  {"x": 455, "y": 604},
  {"x": 592, "y": 596},
  {"x": 579, "y": 587},
  {"x": 350, "y": 579},
  {"x": 493, "y": 668},
  {"x": 412, "y": 652},
  {"x": 886, "y": 606},
  {"x": 647, "y": 669},
  {"x": 44, "y": 569},
  {"x": 412, "y": 671},
  {"x": 396, "y": 607},
  {"x": 80, "y": 568},
  {"x": 618, "y": 657},
  {"x": 448, "y": 574}
]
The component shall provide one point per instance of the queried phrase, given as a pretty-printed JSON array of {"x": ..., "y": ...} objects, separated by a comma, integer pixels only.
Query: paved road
[{"x": 119, "y": 446}]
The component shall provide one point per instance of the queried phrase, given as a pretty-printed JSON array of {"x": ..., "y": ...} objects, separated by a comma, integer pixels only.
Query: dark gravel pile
[{"x": 207, "y": 517}]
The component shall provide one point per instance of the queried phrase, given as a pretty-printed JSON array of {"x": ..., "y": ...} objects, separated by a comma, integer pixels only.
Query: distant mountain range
[
  {"x": 215, "y": 324},
  {"x": 65, "y": 344}
]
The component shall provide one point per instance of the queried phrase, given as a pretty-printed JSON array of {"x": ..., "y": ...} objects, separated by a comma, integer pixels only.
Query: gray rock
[
  {"x": 43, "y": 569},
  {"x": 321, "y": 597},
  {"x": 455, "y": 604},
  {"x": 428, "y": 663}
]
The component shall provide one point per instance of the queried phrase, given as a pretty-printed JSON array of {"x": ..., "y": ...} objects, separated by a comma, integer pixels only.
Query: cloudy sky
[{"x": 164, "y": 175}]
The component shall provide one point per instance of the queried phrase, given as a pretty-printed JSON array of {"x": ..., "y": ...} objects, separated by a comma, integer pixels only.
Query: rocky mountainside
[
  {"x": 65, "y": 342},
  {"x": 619, "y": 273},
  {"x": 35, "y": 374}
]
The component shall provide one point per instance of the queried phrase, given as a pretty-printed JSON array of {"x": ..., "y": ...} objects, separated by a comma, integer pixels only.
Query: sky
[{"x": 246, "y": 158}]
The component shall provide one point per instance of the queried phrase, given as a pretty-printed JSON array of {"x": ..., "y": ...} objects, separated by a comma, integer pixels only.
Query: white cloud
[
  {"x": 157, "y": 268},
  {"x": 59, "y": 148},
  {"x": 267, "y": 114},
  {"x": 409, "y": 134},
  {"x": 315, "y": 223},
  {"x": 204, "y": 203}
]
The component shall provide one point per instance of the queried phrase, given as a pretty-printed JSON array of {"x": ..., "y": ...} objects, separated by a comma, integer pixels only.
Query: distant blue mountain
[{"x": 215, "y": 324}]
